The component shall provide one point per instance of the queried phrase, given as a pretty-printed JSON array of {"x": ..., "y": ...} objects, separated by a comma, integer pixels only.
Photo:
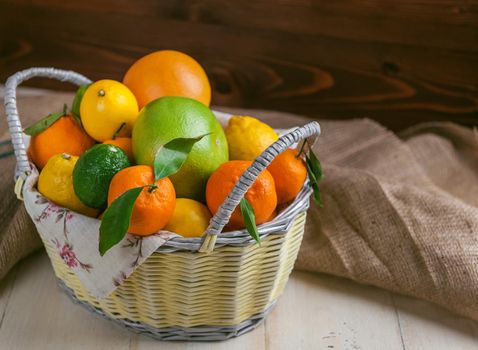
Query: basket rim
[{"x": 279, "y": 225}]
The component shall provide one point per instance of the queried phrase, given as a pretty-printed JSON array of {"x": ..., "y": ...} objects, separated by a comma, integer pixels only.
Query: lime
[
  {"x": 167, "y": 118},
  {"x": 93, "y": 173}
]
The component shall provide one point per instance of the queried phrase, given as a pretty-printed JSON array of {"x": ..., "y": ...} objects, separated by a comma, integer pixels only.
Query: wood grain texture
[
  {"x": 332, "y": 323},
  {"x": 315, "y": 312},
  {"x": 398, "y": 62},
  {"x": 424, "y": 327},
  {"x": 39, "y": 316}
]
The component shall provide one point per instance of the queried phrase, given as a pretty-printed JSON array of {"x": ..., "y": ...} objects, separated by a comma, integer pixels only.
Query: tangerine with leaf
[
  {"x": 261, "y": 196},
  {"x": 155, "y": 204},
  {"x": 55, "y": 134},
  {"x": 141, "y": 199}
]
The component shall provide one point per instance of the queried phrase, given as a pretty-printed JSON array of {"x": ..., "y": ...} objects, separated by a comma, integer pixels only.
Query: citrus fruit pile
[{"x": 147, "y": 154}]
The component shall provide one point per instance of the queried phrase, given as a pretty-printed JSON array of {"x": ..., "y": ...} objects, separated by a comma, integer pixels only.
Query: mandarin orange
[
  {"x": 63, "y": 136},
  {"x": 262, "y": 194},
  {"x": 289, "y": 173},
  {"x": 154, "y": 207}
]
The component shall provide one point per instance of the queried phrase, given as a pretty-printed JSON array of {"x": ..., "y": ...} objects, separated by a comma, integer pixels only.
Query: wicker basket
[{"x": 210, "y": 288}]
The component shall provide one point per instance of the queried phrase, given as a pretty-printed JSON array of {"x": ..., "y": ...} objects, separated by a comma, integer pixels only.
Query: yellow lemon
[
  {"x": 56, "y": 183},
  {"x": 108, "y": 109},
  {"x": 248, "y": 137},
  {"x": 190, "y": 218}
]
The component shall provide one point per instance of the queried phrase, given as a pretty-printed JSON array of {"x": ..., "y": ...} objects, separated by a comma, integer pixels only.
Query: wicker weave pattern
[
  {"x": 199, "y": 333},
  {"x": 188, "y": 289},
  {"x": 280, "y": 224}
]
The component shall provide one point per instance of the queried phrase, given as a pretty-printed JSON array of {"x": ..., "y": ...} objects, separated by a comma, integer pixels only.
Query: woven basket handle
[
  {"x": 223, "y": 214},
  {"x": 219, "y": 220},
  {"x": 13, "y": 119}
]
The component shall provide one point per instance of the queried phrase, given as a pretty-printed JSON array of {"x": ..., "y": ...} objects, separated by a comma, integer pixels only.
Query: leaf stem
[
  {"x": 151, "y": 188},
  {"x": 119, "y": 129},
  {"x": 301, "y": 149}
]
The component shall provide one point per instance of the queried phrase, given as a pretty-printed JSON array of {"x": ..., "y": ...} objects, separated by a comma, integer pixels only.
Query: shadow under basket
[{"x": 201, "y": 289}]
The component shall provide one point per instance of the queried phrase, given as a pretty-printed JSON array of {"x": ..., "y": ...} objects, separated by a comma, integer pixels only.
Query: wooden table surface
[{"x": 315, "y": 312}]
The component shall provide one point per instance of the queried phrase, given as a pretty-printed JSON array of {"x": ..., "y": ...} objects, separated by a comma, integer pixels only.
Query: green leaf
[
  {"x": 118, "y": 130},
  {"x": 302, "y": 147},
  {"x": 314, "y": 184},
  {"x": 310, "y": 172},
  {"x": 77, "y": 119},
  {"x": 171, "y": 157},
  {"x": 75, "y": 107},
  {"x": 317, "y": 196},
  {"x": 316, "y": 166},
  {"x": 249, "y": 219},
  {"x": 116, "y": 218},
  {"x": 43, "y": 124}
]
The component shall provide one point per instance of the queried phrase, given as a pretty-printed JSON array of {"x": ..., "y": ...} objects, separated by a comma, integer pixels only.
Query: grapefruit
[
  {"x": 167, "y": 73},
  {"x": 169, "y": 117}
]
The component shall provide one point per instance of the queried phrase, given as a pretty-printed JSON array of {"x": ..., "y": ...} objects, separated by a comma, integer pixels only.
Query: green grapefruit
[{"x": 169, "y": 117}]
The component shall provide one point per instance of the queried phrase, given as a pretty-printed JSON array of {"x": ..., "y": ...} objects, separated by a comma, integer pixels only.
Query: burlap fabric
[{"x": 400, "y": 212}]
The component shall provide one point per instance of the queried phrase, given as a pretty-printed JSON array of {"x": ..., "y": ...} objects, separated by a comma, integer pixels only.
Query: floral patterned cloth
[{"x": 76, "y": 238}]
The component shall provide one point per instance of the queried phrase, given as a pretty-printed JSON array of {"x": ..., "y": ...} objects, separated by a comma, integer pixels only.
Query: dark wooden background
[{"x": 397, "y": 61}]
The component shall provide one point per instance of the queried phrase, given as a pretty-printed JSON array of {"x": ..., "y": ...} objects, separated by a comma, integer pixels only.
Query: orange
[
  {"x": 262, "y": 194},
  {"x": 125, "y": 144},
  {"x": 167, "y": 73},
  {"x": 154, "y": 207},
  {"x": 63, "y": 136},
  {"x": 289, "y": 173}
]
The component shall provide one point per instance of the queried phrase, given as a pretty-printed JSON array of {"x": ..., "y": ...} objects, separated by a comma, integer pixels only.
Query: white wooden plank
[
  {"x": 6, "y": 287},
  {"x": 39, "y": 316},
  {"x": 426, "y": 326},
  {"x": 320, "y": 312},
  {"x": 315, "y": 312}
]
